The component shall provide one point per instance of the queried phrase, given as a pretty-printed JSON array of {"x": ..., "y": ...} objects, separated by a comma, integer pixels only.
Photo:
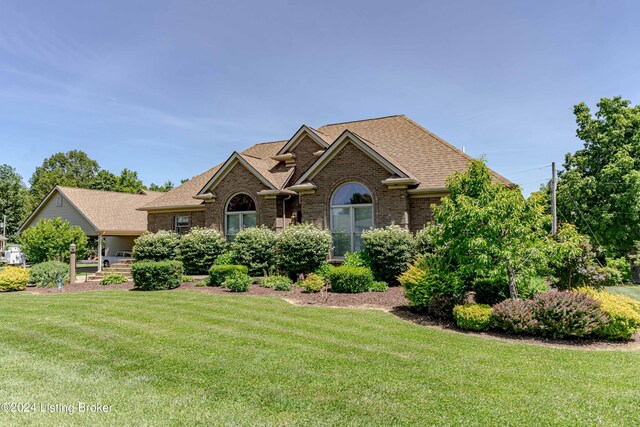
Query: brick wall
[
  {"x": 304, "y": 157},
  {"x": 421, "y": 212},
  {"x": 165, "y": 220},
  {"x": 239, "y": 180},
  {"x": 352, "y": 164}
]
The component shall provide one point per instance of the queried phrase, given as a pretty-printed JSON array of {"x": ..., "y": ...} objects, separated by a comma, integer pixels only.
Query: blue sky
[{"x": 171, "y": 88}]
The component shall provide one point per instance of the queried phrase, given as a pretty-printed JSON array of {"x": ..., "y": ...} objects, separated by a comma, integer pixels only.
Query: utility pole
[{"x": 554, "y": 186}]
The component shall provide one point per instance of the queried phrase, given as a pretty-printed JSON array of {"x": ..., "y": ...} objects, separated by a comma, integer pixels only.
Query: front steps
[{"x": 121, "y": 267}]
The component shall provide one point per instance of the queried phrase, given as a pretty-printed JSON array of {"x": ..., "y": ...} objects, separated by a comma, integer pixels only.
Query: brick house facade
[{"x": 395, "y": 169}]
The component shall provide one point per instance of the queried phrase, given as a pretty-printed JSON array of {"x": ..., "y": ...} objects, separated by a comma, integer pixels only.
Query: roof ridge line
[
  {"x": 363, "y": 120},
  {"x": 106, "y": 191}
]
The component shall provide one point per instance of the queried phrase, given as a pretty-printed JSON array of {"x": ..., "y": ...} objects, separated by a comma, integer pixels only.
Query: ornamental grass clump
[{"x": 46, "y": 274}]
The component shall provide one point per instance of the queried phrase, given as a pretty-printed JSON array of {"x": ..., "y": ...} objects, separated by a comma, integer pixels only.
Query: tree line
[{"x": 72, "y": 169}]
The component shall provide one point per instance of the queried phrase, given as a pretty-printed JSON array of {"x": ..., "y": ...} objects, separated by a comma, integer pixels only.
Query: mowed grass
[
  {"x": 632, "y": 291},
  {"x": 189, "y": 358}
]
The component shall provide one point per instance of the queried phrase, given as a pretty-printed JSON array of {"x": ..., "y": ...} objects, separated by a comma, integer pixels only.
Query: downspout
[{"x": 284, "y": 211}]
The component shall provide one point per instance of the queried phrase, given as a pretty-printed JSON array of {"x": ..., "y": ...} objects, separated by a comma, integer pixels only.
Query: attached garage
[{"x": 113, "y": 218}]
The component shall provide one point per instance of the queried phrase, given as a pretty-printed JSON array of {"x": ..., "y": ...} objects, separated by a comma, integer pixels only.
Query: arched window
[
  {"x": 351, "y": 214},
  {"x": 240, "y": 213}
]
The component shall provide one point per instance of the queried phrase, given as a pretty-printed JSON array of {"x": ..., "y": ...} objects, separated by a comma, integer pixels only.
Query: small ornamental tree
[
  {"x": 159, "y": 246},
  {"x": 199, "y": 249},
  {"x": 487, "y": 229},
  {"x": 49, "y": 240}
]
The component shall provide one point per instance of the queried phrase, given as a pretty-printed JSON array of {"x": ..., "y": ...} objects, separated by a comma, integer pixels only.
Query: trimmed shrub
[
  {"x": 430, "y": 287},
  {"x": 350, "y": 279},
  {"x": 113, "y": 279},
  {"x": 279, "y": 283},
  {"x": 515, "y": 316},
  {"x": 473, "y": 317},
  {"x": 623, "y": 267},
  {"x": 159, "y": 246},
  {"x": 219, "y": 273},
  {"x": 49, "y": 240},
  {"x": 13, "y": 279},
  {"x": 46, "y": 274},
  {"x": 389, "y": 250},
  {"x": 379, "y": 286},
  {"x": 253, "y": 247},
  {"x": 324, "y": 269},
  {"x": 157, "y": 275},
  {"x": 225, "y": 258},
  {"x": 425, "y": 241},
  {"x": 622, "y": 312},
  {"x": 312, "y": 283},
  {"x": 237, "y": 281},
  {"x": 567, "y": 314},
  {"x": 199, "y": 248},
  {"x": 356, "y": 259},
  {"x": 302, "y": 248}
]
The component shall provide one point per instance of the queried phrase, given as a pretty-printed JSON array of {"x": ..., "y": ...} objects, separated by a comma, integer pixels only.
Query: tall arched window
[
  {"x": 240, "y": 213},
  {"x": 351, "y": 214}
]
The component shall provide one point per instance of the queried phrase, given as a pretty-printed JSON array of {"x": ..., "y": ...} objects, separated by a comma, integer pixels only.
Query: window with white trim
[
  {"x": 351, "y": 214},
  {"x": 182, "y": 224},
  {"x": 239, "y": 214}
]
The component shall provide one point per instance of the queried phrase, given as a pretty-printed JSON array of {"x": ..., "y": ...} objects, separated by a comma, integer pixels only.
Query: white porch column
[{"x": 99, "y": 252}]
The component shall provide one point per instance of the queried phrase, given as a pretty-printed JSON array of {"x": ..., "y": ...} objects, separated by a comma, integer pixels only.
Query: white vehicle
[{"x": 122, "y": 255}]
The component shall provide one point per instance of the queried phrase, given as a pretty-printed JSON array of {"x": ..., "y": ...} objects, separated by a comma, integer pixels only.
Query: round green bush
[
  {"x": 199, "y": 249},
  {"x": 46, "y": 274},
  {"x": 473, "y": 317},
  {"x": 157, "y": 275},
  {"x": 302, "y": 248},
  {"x": 219, "y": 273},
  {"x": 312, "y": 283},
  {"x": 389, "y": 251},
  {"x": 225, "y": 258},
  {"x": 237, "y": 281},
  {"x": 351, "y": 279},
  {"x": 159, "y": 246},
  {"x": 254, "y": 247}
]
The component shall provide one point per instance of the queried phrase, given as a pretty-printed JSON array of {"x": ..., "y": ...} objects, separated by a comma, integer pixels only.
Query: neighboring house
[
  {"x": 345, "y": 177},
  {"x": 114, "y": 216}
]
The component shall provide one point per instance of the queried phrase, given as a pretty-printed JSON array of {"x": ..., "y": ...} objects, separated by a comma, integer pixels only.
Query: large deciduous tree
[
  {"x": 73, "y": 168},
  {"x": 13, "y": 198},
  {"x": 599, "y": 189},
  {"x": 488, "y": 229}
]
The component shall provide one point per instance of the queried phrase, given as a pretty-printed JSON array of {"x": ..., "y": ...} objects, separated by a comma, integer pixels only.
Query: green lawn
[
  {"x": 189, "y": 358},
  {"x": 632, "y": 291}
]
